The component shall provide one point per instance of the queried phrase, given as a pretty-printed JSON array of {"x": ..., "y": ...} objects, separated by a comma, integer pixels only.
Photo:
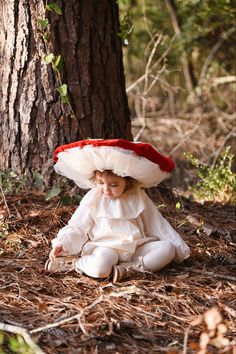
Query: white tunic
[{"x": 122, "y": 224}]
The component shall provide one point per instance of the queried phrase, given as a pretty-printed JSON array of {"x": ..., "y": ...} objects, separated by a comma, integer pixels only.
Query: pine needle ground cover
[{"x": 186, "y": 308}]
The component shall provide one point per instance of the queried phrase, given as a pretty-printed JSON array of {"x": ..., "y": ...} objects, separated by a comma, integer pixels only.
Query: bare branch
[
  {"x": 228, "y": 136},
  {"x": 145, "y": 20},
  {"x": 78, "y": 316},
  {"x": 212, "y": 53},
  {"x": 185, "y": 64},
  {"x": 187, "y": 135},
  {"x": 155, "y": 65},
  {"x": 223, "y": 80}
]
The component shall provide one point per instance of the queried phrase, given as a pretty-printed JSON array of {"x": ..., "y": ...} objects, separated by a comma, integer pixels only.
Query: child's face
[{"x": 112, "y": 186}]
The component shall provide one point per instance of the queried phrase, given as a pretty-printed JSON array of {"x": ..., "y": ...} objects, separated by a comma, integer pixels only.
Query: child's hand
[{"x": 55, "y": 252}]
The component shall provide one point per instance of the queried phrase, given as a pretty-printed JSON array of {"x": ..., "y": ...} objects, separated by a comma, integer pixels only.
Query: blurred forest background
[{"x": 179, "y": 61}]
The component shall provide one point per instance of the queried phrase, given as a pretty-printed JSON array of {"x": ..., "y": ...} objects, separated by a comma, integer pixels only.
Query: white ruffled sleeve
[
  {"x": 74, "y": 235},
  {"x": 156, "y": 225}
]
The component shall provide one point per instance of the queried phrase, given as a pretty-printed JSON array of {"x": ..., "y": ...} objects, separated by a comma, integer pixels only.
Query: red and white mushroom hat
[{"x": 79, "y": 160}]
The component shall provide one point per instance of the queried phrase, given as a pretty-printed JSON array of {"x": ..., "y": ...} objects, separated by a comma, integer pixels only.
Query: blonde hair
[{"x": 130, "y": 181}]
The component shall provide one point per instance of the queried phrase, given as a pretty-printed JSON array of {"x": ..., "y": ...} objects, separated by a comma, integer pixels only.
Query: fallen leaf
[
  {"x": 42, "y": 306},
  {"x": 193, "y": 345},
  {"x": 34, "y": 213}
]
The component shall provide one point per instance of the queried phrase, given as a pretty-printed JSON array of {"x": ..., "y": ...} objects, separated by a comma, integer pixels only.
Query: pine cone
[
  {"x": 56, "y": 332},
  {"x": 224, "y": 259}
]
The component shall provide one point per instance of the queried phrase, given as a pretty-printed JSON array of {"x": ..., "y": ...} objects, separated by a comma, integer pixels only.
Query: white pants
[{"x": 155, "y": 255}]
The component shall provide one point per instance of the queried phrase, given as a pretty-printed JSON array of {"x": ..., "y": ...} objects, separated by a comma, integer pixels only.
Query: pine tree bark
[{"x": 33, "y": 120}]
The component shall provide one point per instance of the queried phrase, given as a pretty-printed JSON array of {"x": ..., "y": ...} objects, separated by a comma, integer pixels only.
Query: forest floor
[{"x": 185, "y": 308}]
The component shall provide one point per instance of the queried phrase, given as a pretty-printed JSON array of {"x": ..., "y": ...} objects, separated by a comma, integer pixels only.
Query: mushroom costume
[{"x": 124, "y": 223}]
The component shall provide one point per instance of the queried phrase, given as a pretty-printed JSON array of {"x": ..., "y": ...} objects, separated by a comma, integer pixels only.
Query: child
[{"x": 116, "y": 229}]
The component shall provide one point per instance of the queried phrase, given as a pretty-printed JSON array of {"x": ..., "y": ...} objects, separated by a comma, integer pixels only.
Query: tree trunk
[{"x": 33, "y": 120}]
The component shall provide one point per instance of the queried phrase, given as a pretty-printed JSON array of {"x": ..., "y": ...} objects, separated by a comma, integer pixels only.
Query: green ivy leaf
[
  {"x": 38, "y": 179},
  {"x": 48, "y": 58},
  {"x": 64, "y": 99},
  {"x": 63, "y": 93},
  {"x": 58, "y": 63},
  {"x": 66, "y": 200},
  {"x": 78, "y": 198},
  {"x": 45, "y": 37},
  {"x": 54, "y": 192},
  {"x": 54, "y": 7},
  {"x": 12, "y": 174},
  {"x": 43, "y": 22},
  {"x": 62, "y": 90}
]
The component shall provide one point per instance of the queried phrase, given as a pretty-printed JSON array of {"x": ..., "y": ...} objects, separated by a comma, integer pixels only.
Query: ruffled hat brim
[{"x": 79, "y": 160}]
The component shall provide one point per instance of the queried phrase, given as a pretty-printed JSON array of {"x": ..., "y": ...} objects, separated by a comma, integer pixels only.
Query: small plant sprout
[
  {"x": 217, "y": 183},
  {"x": 178, "y": 206}
]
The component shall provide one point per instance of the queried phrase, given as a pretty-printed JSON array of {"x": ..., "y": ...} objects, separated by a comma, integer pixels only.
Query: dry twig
[{"x": 78, "y": 316}]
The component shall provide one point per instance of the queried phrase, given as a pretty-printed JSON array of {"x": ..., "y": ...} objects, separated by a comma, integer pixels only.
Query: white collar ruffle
[{"x": 128, "y": 206}]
